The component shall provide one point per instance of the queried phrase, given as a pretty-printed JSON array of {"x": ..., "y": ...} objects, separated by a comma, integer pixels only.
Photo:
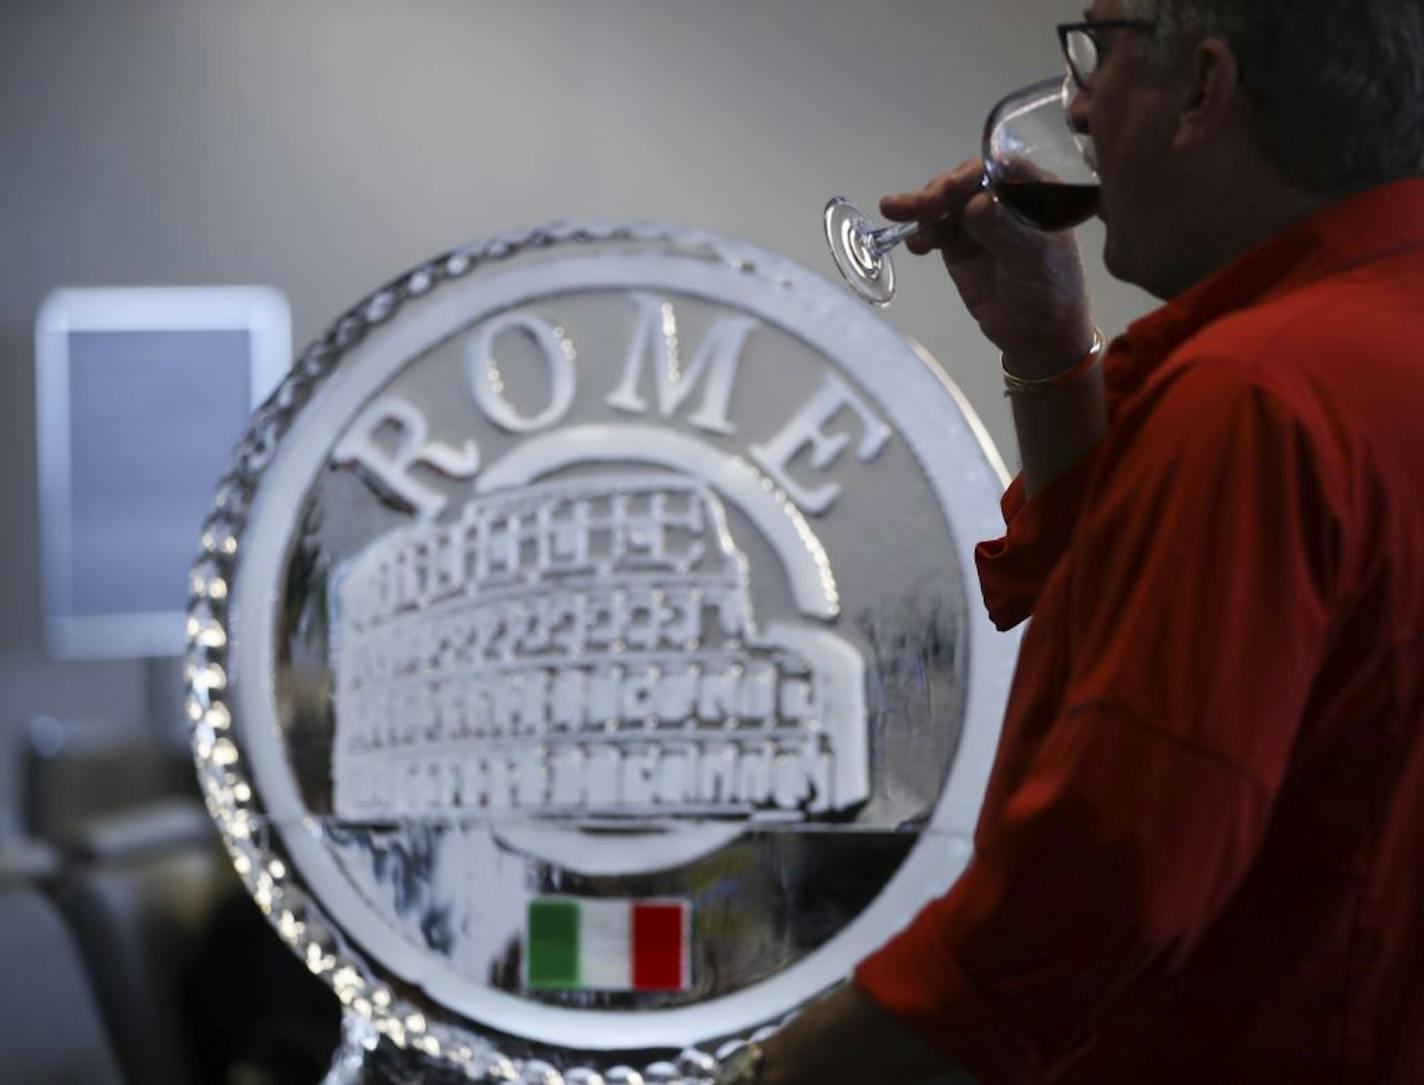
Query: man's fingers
[
  {"x": 902, "y": 207},
  {"x": 943, "y": 196},
  {"x": 977, "y": 224},
  {"x": 939, "y": 234},
  {"x": 991, "y": 226},
  {"x": 981, "y": 218},
  {"x": 926, "y": 239}
]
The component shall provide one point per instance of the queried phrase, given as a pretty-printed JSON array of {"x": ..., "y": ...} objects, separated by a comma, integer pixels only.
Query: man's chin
[
  {"x": 1121, "y": 267},
  {"x": 1118, "y": 263}
]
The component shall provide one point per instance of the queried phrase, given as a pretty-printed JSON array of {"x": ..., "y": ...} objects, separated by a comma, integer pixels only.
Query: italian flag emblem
[{"x": 608, "y": 945}]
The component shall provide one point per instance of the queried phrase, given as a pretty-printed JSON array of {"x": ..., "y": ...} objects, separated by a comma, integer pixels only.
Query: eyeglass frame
[{"x": 1086, "y": 29}]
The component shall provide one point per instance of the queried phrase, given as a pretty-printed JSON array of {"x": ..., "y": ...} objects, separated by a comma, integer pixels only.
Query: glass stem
[{"x": 881, "y": 241}]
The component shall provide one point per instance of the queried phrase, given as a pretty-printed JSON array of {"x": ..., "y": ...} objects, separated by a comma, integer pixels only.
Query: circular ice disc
[{"x": 583, "y": 658}]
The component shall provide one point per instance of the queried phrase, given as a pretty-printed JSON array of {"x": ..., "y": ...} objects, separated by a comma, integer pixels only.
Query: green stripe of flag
[{"x": 553, "y": 944}]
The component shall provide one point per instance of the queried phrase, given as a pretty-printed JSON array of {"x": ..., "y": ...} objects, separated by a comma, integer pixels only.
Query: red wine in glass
[{"x": 1048, "y": 205}]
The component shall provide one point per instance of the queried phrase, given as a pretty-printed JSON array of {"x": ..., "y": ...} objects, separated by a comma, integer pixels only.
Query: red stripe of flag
[{"x": 659, "y": 950}]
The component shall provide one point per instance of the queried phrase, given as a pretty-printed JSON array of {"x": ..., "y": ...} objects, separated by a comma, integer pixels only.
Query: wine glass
[{"x": 1035, "y": 166}]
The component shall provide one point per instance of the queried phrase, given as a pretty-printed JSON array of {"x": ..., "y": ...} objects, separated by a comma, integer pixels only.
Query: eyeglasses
[{"x": 1081, "y": 48}]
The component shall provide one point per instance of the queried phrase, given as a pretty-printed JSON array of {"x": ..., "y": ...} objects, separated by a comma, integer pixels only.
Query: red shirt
[{"x": 1201, "y": 853}]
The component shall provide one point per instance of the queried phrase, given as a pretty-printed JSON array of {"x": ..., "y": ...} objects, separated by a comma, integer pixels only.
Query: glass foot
[{"x": 850, "y": 235}]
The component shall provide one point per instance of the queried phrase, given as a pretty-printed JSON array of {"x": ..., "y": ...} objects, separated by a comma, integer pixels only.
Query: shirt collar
[{"x": 1357, "y": 229}]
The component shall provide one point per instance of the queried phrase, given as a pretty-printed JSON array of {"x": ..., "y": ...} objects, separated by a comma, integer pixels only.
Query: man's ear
[{"x": 1212, "y": 93}]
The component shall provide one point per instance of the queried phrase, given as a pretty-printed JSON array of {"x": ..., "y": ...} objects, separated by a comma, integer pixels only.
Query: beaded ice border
[{"x": 227, "y": 791}]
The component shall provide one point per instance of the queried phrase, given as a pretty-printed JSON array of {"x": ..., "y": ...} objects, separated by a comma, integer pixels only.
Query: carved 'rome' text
[{"x": 395, "y": 465}]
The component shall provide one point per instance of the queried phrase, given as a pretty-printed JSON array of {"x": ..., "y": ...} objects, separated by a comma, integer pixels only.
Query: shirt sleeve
[
  {"x": 1196, "y": 604},
  {"x": 1013, "y": 569}
]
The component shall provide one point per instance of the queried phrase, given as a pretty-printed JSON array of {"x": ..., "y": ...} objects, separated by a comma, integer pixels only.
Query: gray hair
[{"x": 1337, "y": 85}]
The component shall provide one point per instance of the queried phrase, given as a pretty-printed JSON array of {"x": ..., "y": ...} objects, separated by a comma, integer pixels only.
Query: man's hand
[
  {"x": 1024, "y": 287},
  {"x": 846, "y": 1039}
]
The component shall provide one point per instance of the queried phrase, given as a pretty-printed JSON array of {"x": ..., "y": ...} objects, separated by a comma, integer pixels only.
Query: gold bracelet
[{"x": 1033, "y": 386}]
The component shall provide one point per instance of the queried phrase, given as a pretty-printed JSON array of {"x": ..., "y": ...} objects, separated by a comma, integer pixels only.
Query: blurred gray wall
[{"x": 323, "y": 146}]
